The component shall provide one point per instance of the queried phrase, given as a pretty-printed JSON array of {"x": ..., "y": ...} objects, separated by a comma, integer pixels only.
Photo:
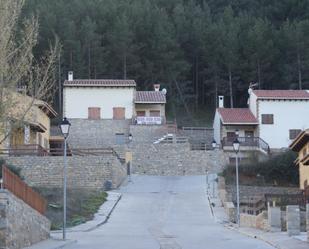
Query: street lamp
[
  {"x": 236, "y": 146},
  {"x": 65, "y": 129}
]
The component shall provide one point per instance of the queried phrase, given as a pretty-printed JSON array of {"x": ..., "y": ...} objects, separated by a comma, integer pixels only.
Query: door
[
  {"x": 119, "y": 113},
  {"x": 249, "y": 137},
  {"x": 231, "y": 136}
]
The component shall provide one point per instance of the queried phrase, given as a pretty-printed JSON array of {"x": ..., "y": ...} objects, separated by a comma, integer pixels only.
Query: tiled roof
[
  {"x": 150, "y": 97},
  {"x": 300, "y": 141},
  {"x": 101, "y": 83},
  {"x": 237, "y": 116},
  {"x": 282, "y": 94}
]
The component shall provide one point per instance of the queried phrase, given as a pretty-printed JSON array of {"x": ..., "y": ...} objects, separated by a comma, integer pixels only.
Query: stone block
[
  {"x": 293, "y": 220},
  {"x": 274, "y": 219}
]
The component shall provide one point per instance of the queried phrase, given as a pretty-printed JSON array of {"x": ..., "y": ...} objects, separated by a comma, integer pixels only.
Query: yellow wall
[
  {"x": 303, "y": 170},
  {"x": 34, "y": 116}
]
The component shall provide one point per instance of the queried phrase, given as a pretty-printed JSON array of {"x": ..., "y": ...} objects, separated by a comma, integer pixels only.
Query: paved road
[{"x": 164, "y": 213}]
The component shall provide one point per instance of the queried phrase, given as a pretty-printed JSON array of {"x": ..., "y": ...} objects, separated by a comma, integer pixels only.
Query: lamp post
[
  {"x": 236, "y": 146},
  {"x": 65, "y": 129}
]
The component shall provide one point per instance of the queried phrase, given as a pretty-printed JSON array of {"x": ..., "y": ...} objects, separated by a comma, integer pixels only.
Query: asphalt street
[{"x": 167, "y": 212}]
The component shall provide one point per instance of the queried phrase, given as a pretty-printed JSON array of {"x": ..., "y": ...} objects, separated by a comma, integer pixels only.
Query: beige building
[
  {"x": 150, "y": 107},
  {"x": 27, "y": 124},
  {"x": 301, "y": 146}
]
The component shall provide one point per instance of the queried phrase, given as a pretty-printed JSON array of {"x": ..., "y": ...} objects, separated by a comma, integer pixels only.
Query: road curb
[
  {"x": 254, "y": 236},
  {"x": 107, "y": 216},
  {"x": 103, "y": 219}
]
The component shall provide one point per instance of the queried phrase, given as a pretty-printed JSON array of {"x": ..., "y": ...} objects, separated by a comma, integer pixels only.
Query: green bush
[{"x": 277, "y": 170}]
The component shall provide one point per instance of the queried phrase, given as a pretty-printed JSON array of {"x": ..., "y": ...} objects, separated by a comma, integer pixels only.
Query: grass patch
[
  {"x": 81, "y": 205},
  {"x": 278, "y": 170}
]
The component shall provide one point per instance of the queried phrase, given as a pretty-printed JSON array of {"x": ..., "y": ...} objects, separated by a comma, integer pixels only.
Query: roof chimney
[
  {"x": 70, "y": 75},
  {"x": 156, "y": 87},
  {"x": 221, "y": 101}
]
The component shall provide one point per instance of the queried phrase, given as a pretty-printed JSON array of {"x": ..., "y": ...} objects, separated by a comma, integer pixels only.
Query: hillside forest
[{"x": 196, "y": 49}]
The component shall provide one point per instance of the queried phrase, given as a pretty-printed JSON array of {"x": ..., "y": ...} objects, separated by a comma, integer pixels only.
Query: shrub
[{"x": 277, "y": 170}]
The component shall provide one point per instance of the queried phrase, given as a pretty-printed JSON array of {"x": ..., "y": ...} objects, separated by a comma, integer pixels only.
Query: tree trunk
[
  {"x": 89, "y": 63},
  {"x": 196, "y": 83},
  {"x": 125, "y": 66},
  {"x": 300, "y": 83},
  {"x": 59, "y": 84},
  {"x": 216, "y": 90},
  {"x": 71, "y": 60},
  {"x": 231, "y": 88},
  {"x": 259, "y": 74}
]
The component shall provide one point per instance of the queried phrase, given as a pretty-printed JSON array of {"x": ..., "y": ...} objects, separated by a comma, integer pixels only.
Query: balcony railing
[
  {"x": 148, "y": 120},
  {"x": 247, "y": 143}
]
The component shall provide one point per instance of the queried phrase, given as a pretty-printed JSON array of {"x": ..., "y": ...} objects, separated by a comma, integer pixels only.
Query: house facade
[
  {"x": 106, "y": 99},
  {"x": 150, "y": 106},
  {"x": 273, "y": 118},
  {"x": 301, "y": 146},
  {"x": 28, "y": 125}
]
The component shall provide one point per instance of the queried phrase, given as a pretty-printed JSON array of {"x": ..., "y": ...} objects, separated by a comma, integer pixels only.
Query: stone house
[
  {"x": 27, "y": 126},
  {"x": 272, "y": 120},
  {"x": 301, "y": 146}
]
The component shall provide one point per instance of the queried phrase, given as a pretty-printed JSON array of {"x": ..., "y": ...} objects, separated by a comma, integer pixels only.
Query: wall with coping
[
  {"x": 175, "y": 159},
  {"x": 82, "y": 171},
  {"x": 20, "y": 225}
]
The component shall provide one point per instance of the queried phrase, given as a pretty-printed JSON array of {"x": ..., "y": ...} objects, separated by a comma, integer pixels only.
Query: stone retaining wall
[
  {"x": 175, "y": 159},
  {"x": 82, "y": 171},
  {"x": 20, "y": 225},
  {"x": 101, "y": 133}
]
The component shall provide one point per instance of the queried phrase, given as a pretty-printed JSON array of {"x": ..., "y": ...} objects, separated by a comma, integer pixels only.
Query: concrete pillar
[
  {"x": 307, "y": 220},
  {"x": 26, "y": 134},
  {"x": 274, "y": 219},
  {"x": 293, "y": 220}
]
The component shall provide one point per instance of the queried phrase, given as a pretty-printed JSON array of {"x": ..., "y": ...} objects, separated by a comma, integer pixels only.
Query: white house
[
  {"x": 112, "y": 99},
  {"x": 273, "y": 117}
]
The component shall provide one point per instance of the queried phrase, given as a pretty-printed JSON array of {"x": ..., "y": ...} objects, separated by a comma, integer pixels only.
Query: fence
[
  {"x": 282, "y": 200},
  {"x": 21, "y": 190},
  {"x": 37, "y": 150}
]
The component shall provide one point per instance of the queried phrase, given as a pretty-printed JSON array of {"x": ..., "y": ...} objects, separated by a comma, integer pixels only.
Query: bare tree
[{"x": 20, "y": 69}]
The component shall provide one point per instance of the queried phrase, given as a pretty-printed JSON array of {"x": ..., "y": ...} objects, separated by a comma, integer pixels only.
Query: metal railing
[
  {"x": 253, "y": 142},
  {"x": 21, "y": 190},
  {"x": 37, "y": 150}
]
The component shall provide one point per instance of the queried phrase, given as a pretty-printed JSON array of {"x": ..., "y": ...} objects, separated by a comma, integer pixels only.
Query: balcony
[{"x": 246, "y": 144}]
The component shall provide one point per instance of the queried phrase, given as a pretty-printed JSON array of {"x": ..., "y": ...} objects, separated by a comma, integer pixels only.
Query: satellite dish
[{"x": 164, "y": 91}]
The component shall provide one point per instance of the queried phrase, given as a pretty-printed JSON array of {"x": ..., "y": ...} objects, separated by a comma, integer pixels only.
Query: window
[
  {"x": 119, "y": 113},
  {"x": 267, "y": 118},
  {"x": 140, "y": 113},
  {"x": 294, "y": 133},
  {"x": 94, "y": 113},
  {"x": 154, "y": 113}
]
